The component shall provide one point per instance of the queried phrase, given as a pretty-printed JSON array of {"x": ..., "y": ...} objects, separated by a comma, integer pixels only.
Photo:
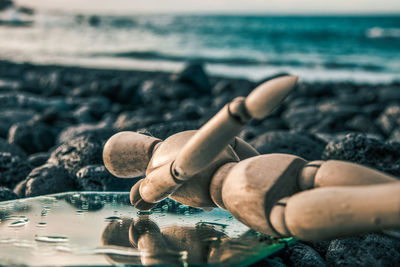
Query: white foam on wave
[
  {"x": 377, "y": 32},
  {"x": 254, "y": 73}
]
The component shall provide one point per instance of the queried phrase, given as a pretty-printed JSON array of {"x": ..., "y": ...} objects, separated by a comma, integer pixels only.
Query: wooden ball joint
[{"x": 276, "y": 194}]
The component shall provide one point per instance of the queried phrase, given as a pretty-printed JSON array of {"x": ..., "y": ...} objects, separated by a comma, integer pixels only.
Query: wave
[
  {"x": 377, "y": 32},
  {"x": 238, "y": 61}
]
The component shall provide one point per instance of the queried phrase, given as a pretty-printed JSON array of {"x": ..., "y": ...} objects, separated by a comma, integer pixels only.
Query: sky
[{"x": 219, "y": 6}]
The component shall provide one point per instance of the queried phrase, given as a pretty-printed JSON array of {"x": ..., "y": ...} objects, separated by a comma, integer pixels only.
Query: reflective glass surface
[{"x": 97, "y": 228}]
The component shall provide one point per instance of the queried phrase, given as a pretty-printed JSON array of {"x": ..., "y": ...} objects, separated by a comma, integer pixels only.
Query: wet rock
[
  {"x": 10, "y": 116},
  {"x": 13, "y": 169},
  {"x": 11, "y": 148},
  {"x": 7, "y": 194},
  {"x": 32, "y": 137},
  {"x": 194, "y": 75},
  {"x": 300, "y": 254},
  {"x": 38, "y": 159},
  {"x": 367, "y": 250},
  {"x": 163, "y": 130},
  {"x": 97, "y": 130},
  {"x": 77, "y": 153},
  {"x": 97, "y": 178},
  {"x": 48, "y": 179},
  {"x": 371, "y": 152},
  {"x": 389, "y": 119},
  {"x": 289, "y": 142}
]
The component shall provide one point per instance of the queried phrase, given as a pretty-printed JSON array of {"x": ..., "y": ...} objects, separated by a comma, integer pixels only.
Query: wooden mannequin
[{"x": 276, "y": 194}]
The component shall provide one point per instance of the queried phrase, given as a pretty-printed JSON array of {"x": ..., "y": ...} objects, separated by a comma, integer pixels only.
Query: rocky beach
[{"x": 54, "y": 121}]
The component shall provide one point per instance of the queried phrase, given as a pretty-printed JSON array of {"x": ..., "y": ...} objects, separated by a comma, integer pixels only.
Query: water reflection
[
  {"x": 204, "y": 243},
  {"x": 104, "y": 229}
]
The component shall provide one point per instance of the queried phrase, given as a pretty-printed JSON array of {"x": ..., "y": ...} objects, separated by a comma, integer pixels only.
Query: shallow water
[{"x": 103, "y": 229}]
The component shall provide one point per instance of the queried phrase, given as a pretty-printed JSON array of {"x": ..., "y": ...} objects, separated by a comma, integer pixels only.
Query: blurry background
[{"x": 319, "y": 40}]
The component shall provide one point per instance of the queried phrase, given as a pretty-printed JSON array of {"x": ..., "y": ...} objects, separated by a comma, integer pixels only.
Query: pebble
[
  {"x": 194, "y": 74},
  {"x": 97, "y": 178},
  {"x": 10, "y": 116},
  {"x": 133, "y": 120},
  {"x": 7, "y": 194},
  {"x": 371, "y": 152},
  {"x": 48, "y": 179},
  {"x": 163, "y": 130},
  {"x": 367, "y": 250},
  {"x": 11, "y": 148},
  {"x": 302, "y": 255},
  {"x": 13, "y": 169},
  {"x": 38, "y": 159},
  {"x": 99, "y": 130},
  {"x": 77, "y": 153},
  {"x": 32, "y": 137},
  {"x": 290, "y": 143},
  {"x": 389, "y": 119}
]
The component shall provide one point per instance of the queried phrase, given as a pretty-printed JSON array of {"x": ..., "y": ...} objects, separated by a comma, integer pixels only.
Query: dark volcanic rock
[
  {"x": 30, "y": 101},
  {"x": 371, "y": 152},
  {"x": 222, "y": 87},
  {"x": 97, "y": 178},
  {"x": 289, "y": 142},
  {"x": 77, "y": 153},
  {"x": 10, "y": 116},
  {"x": 389, "y": 94},
  {"x": 368, "y": 250},
  {"x": 89, "y": 109},
  {"x": 395, "y": 136},
  {"x": 164, "y": 130},
  {"x": 302, "y": 255},
  {"x": 38, "y": 159},
  {"x": 20, "y": 188},
  {"x": 48, "y": 179},
  {"x": 32, "y": 137},
  {"x": 157, "y": 92},
  {"x": 97, "y": 130},
  {"x": 7, "y": 194},
  {"x": 12, "y": 149},
  {"x": 389, "y": 119},
  {"x": 13, "y": 169},
  {"x": 194, "y": 75},
  {"x": 133, "y": 120},
  {"x": 361, "y": 123},
  {"x": 326, "y": 117}
]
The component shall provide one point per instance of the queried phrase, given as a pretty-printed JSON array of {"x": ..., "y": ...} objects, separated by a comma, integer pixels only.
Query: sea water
[{"x": 357, "y": 48}]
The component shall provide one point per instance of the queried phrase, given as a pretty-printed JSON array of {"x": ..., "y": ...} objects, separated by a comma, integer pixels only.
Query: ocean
[{"x": 318, "y": 48}]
